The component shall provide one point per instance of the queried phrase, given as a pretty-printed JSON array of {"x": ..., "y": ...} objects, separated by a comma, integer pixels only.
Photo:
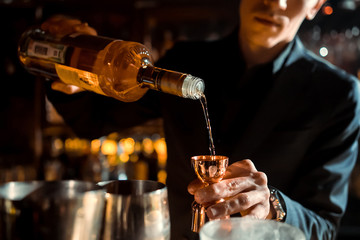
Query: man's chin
[{"x": 265, "y": 42}]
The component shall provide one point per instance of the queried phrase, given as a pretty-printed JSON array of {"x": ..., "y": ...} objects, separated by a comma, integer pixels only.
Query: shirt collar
[{"x": 279, "y": 61}]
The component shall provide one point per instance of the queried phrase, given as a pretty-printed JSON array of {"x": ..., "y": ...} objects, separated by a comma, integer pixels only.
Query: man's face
[{"x": 267, "y": 23}]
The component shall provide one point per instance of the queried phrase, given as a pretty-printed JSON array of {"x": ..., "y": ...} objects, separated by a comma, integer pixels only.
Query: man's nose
[{"x": 281, "y": 4}]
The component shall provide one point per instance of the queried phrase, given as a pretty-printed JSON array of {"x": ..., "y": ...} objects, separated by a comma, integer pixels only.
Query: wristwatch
[{"x": 278, "y": 204}]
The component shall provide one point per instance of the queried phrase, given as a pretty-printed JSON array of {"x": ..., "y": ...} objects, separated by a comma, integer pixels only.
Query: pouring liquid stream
[{"x": 208, "y": 125}]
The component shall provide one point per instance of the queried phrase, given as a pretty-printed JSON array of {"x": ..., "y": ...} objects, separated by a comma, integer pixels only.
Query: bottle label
[
  {"x": 80, "y": 78},
  {"x": 50, "y": 51}
]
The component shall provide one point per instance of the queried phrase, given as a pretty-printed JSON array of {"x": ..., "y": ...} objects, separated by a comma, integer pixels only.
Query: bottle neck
[{"x": 175, "y": 83}]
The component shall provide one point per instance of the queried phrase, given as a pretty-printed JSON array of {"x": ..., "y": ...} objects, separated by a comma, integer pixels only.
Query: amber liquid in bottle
[{"x": 115, "y": 68}]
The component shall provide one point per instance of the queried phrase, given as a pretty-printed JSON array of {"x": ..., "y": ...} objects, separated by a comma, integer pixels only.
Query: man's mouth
[{"x": 268, "y": 21}]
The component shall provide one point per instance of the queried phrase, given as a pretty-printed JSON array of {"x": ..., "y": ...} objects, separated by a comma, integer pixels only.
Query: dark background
[{"x": 27, "y": 122}]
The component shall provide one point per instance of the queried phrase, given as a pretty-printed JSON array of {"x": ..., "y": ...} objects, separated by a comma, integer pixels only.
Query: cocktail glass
[{"x": 239, "y": 228}]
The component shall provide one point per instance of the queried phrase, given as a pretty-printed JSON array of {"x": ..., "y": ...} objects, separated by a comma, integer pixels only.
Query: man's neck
[{"x": 255, "y": 54}]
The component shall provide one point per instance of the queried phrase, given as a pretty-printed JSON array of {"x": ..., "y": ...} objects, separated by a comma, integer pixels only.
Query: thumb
[{"x": 194, "y": 186}]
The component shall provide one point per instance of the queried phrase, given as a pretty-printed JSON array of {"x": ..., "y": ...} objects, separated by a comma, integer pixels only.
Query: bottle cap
[{"x": 193, "y": 87}]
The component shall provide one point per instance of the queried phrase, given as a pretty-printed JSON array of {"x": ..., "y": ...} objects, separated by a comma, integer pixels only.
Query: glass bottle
[{"x": 115, "y": 68}]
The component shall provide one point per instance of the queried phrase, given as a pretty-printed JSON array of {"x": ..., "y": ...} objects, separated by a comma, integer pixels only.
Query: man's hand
[
  {"x": 244, "y": 189},
  {"x": 61, "y": 26},
  {"x": 66, "y": 88}
]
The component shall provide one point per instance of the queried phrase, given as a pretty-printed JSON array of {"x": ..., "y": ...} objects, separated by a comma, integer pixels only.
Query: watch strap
[{"x": 278, "y": 204}]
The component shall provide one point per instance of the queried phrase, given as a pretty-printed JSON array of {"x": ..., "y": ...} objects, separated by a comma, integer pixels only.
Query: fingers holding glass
[{"x": 253, "y": 203}]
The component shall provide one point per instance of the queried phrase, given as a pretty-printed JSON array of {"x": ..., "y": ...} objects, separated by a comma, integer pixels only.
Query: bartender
[{"x": 293, "y": 117}]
